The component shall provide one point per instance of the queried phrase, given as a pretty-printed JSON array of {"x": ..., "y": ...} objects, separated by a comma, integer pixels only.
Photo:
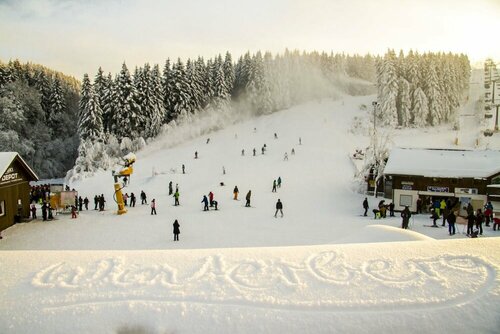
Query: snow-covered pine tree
[
  {"x": 158, "y": 111},
  {"x": 99, "y": 86},
  {"x": 57, "y": 107},
  {"x": 221, "y": 96},
  {"x": 127, "y": 118},
  {"x": 388, "y": 86},
  {"x": 433, "y": 93},
  {"x": 404, "y": 102},
  {"x": 229, "y": 75},
  {"x": 166, "y": 82},
  {"x": 106, "y": 103},
  {"x": 420, "y": 110},
  {"x": 179, "y": 91},
  {"x": 90, "y": 125},
  {"x": 84, "y": 96}
]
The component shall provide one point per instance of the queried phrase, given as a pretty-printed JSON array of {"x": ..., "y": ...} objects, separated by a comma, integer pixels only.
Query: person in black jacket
[
  {"x": 405, "y": 214},
  {"x": 391, "y": 209},
  {"x": 176, "y": 230},
  {"x": 434, "y": 218},
  {"x": 365, "y": 206},
  {"x": 479, "y": 221},
  {"x": 471, "y": 219},
  {"x": 279, "y": 207},
  {"x": 451, "y": 218},
  {"x": 205, "y": 203}
]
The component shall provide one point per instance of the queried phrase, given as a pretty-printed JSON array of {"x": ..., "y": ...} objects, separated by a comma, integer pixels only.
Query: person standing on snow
[
  {"x": 33, "y": 211},
  {"x": 235, "y": 192},
  {"x": 365, "y": 206},
  {"x": 279, "y": 182},
  {"x": 471, "y": 219},
  {"x": 249, "y": 194},
  {"x": 254, "y": 151},
  {"x": 196, "y": 155},
  {"x": 170, "y": 188},
  {"x": 479, "y": 221},
  {"x": 86, "y": 203},
  {"x": 183, "y": 169},
  {"x": 143, "y": 198},
  {"x": 205, "y": 203},
  {"x": 274, "y": 186},
  {"x": 406, "y": 214},
  {"x": 177, "y": 231},
  {"x": 153, "y": 206},
  {"x": 132, "y": 200},
  {"x": 434, "y": 217},
  {"x": 451, "y": 218},
  {"x": 211, "y": 198},
  {"x": 243, "y": 152},
  {"x": 96, "y": 202},
  {"x": 176, "y": 198},
  {"x": 279, "y": 207},
  {"x": 391, "y": 209}
]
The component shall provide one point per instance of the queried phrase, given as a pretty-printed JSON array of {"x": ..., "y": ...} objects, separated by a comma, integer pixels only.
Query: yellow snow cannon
[{"x": 123, "y": 174}]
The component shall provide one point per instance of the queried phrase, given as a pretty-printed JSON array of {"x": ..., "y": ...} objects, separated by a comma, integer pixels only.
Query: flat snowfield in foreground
[{"x": 412, "y": 287}]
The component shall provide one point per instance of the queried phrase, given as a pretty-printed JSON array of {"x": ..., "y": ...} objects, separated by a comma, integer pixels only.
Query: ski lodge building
[
  {"x": 470, "y": 176},
  {"x": 15, "y": 176}
]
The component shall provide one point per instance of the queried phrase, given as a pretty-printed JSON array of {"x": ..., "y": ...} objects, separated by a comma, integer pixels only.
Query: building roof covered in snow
[
  {"x": 6, "y": 159},
  {"x": 443, "y": 163}
]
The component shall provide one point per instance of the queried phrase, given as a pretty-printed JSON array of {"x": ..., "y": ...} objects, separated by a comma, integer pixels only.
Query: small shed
[
  {"x": 462, "y": 175},
  {"x": 15, "y": 176}
]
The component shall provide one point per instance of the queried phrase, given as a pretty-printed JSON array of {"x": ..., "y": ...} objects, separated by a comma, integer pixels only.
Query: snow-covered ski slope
[{"x": 322, "y": 268}]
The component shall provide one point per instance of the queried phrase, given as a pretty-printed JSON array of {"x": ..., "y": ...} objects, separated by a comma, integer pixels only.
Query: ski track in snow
[{"x": 317, "y": 283}]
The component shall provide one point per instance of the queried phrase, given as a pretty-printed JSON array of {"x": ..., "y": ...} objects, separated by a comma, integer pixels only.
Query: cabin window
[
  {"x": 405, "y": 200},
  {"x": 2, "y": 208}
]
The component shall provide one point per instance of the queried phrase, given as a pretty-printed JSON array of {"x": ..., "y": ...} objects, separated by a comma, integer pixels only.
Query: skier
[
  {"x": 279, "y": 181},
  {"x": 434, "y": 217},
  {"x": 279, "y": 207},
  {"x": 243, "y": 152},
  {"x": 132, "y": 200},
  {"x": 223, "y": 170},
  {"x": 286, "y": 157},
  {"x": 451, "y": 222},
  {"x": 176, "y": 197},
  {"x": 80, "y": 203},
  {"x": 33, "y": 211},
  {"x": 170, "y": 188},
  {"x": 86, "y": 203},
  {"x": 300, "y": 141},
  {"x": 96, "y": 202},
  {"x": 263, "y": 150},
  {"x": 208, "y": 140},
  {"x": 293, "y": 151},
  {"x": 196, "y": 155},
  {"x": 275, "y": 136},
  {"x": 406, "y": 214},
  {"x": 235, "y": 192},
  {"x": 153, "y": 206},
  {"x": 205, "y": 203},
  {"x": 143, "y": 198},
  {"x": 254, "y": 151},
  {"x": 183, "y": 169},
  {"x": 274, "y": 186},
  {"x": 176, "y": 230},
  {"x": 365, "y": 206},
  {"x": 249, "y": 194},
  {"x": 177, "y": 187},
  {"x": 211, "y": 198}
]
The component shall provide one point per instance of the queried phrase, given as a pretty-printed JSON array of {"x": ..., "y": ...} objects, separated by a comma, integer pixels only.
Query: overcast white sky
[{"x": 79, "y": 36}]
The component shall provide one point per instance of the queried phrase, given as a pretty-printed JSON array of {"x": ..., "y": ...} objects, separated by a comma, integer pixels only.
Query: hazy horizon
[{"x": 77, "y": 37}]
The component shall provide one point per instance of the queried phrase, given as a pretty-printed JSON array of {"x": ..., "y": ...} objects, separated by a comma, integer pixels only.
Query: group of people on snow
[{"x": 442, "y": 208}]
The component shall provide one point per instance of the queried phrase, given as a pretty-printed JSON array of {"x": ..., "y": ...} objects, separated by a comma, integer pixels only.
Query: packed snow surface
[{"x": 322, "y": 268}]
